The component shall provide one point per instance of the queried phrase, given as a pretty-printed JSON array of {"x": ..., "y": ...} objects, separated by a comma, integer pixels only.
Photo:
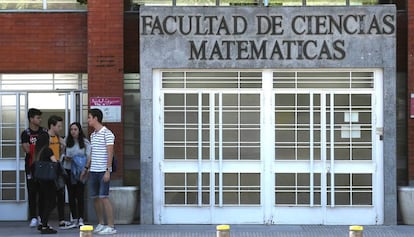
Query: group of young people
[{"x": 81, "y": 160}]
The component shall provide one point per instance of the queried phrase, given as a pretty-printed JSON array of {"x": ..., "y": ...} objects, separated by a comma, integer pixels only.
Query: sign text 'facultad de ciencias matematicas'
[{"x": 273, "y": 37}]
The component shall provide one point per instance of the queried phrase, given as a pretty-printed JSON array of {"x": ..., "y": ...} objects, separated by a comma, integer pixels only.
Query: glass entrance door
[
  {"x": 325, "y": 158},
  {"x": 68, "y": 105},
  {"x": 13, "y": 184},
  {"x": 268, "y": 147}
]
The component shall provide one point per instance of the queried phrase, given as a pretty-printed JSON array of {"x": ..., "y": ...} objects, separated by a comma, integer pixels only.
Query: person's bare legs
[
  {"x": 108, "y": 211},
  {"x": 98, "y": 210}
]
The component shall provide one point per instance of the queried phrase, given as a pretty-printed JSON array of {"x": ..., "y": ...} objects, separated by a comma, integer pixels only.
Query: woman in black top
[{"x": 47, "y": 188}]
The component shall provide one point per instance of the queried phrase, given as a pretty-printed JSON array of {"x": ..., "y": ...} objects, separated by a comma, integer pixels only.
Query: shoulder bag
[{"x": 45, "y": 170}]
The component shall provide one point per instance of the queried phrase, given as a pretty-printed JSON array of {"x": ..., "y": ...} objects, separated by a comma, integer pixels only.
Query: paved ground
[{"x": 20, "y": 229}]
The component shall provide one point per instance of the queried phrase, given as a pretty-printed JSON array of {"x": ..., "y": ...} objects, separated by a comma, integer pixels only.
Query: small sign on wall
[
  {"x": 412, "y": 106},
  {"x": 110, "y": 107}
]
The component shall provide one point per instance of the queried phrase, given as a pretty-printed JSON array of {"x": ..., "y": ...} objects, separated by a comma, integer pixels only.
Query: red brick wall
[
  {"x": 106, "y": 58},
  {"x": 410, "y": 53},
  {"x": 42, "y": 42}
]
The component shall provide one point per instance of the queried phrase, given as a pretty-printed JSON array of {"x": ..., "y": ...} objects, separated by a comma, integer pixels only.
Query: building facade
[{"x": 225, "y": 114}]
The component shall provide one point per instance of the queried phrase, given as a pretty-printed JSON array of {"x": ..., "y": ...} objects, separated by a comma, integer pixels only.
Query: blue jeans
[{"x": 97, "y": 187}]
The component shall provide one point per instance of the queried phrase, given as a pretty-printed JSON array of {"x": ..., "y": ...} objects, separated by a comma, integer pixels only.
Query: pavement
[{"x": 20, "y": 229}]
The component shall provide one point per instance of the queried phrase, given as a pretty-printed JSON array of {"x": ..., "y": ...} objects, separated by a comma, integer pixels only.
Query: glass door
[
  {"x": 13, "y": 184},
  {"x": 324, "y": 159},
  {"x": 69, "y": 105}
]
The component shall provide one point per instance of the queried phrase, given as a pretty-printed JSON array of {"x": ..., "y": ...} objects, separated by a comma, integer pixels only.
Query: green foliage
[{"x": 82, "y": 1}]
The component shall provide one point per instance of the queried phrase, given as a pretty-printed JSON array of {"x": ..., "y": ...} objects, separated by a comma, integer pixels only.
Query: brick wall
[
  {"x": 106, "y": 58},
  {"x": 42, "y": 42}
]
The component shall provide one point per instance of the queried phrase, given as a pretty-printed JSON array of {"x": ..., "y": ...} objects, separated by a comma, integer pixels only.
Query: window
[
  {"x": 41, "y": 5},
  {"x": 257, "y": 2}
]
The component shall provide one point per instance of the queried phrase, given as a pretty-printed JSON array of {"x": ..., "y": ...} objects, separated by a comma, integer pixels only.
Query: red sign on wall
[
  {"x": 110, "y": 107},
  {"x": 412, "y": 106}
]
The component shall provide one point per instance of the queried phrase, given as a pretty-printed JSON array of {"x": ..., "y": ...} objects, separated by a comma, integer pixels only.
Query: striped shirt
[{"x": 99, "y": 155}]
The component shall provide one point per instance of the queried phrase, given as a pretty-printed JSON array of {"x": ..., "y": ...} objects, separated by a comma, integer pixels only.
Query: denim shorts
[{"x": 97, "y": 187}]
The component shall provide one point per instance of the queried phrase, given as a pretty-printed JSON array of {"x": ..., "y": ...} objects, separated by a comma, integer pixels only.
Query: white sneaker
[
  {"x": 64, "y": 225},
  {"x": 34, "y": 222},
  {"x": 80, "y": 222},
  {"x": 107, "y": 231},
  {"x": 98, "y": 228}
]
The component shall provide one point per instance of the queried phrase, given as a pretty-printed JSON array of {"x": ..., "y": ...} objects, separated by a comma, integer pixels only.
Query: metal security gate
[{"x": 268, "y": 147}]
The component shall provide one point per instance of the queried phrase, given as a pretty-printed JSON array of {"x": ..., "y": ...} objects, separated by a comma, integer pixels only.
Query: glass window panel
[
  {"x": 174, "y": 117},
  {"x": 249, "y": 153},
  {"x": 250, "y": 117},
  {"x": 192, "y": 198},
  {"x": 316, "y": 153},
  {"x": 303, "y": 136},
  {"x": 341, "y": 100},
  {"x": 325, "y": 2},
  {"x": 65, "y": 5},
  {"x": 230, "y": 117},
  {"x": 362, "y": 2},
  {"x": 285, "y": 154},
  {"x": 8, "y": 151},
  {"x": 303, "y": 180},
  {"x": 206, "y": 153},
  {"x": 238, "y": 2},
  {"x": 229, "y": 198},
  {"x": 366, "y": 135},
  {"x": 230, "y": 135},
  {"x": 342, "y": 198},
  {"x": 173, "y": 100},
  {"x": 341, "y": 153},
  {"x": 192, "y": 180},
  {"x": 174, "y": 135},
  {"x": 192, "y": 135},
  {"x": 192, "y": 153},
  {"x": 174, "y": 153},
  {"x": 229, "y": 100},
  {"x": 206, "y": 198},
  {"x": 285, "y": 136},
  {"x": 285, "y": 100},
  {"x": 249, "y": 198},
  {"x": 303, "y": 198},
  {"x": 303, "y": 100},
  {"x": 342, "y": 180},
  {"x": 362, "y": 180},
  {"x": 250, "y": 135},
  {"x": 362, "y": 198},
  {"x": 250, "y": 180},
  {"x": 175, "y": 198},
  {"x": 285, "y": 198},
  {"x": 249, "y": 100},
  {"x": 364, "y": 117},
  {"x": 361, "y": 100},
  {"x": 21, "y": 5},
  {"x": 303, "y": 117},
  {"x": 174, "y": 179},
  {"x": 285, "y": 3},
  {"x": 230, "y": 180},
  {"x": 285, "y": 118},
  {"x": 282, "y": 179},
  {"x": 303, "y": 154},
  {"x": 362, "y": 153}
]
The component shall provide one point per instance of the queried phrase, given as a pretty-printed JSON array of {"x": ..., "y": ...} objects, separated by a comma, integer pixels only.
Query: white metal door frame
[{"x": 314, "y": 214}]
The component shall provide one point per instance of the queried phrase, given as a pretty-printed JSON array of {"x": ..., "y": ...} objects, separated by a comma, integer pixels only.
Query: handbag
[{"x": 45, "y": 170}]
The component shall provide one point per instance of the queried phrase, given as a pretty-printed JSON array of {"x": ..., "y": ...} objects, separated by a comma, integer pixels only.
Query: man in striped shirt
[{"x": 100, "y": 168}]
